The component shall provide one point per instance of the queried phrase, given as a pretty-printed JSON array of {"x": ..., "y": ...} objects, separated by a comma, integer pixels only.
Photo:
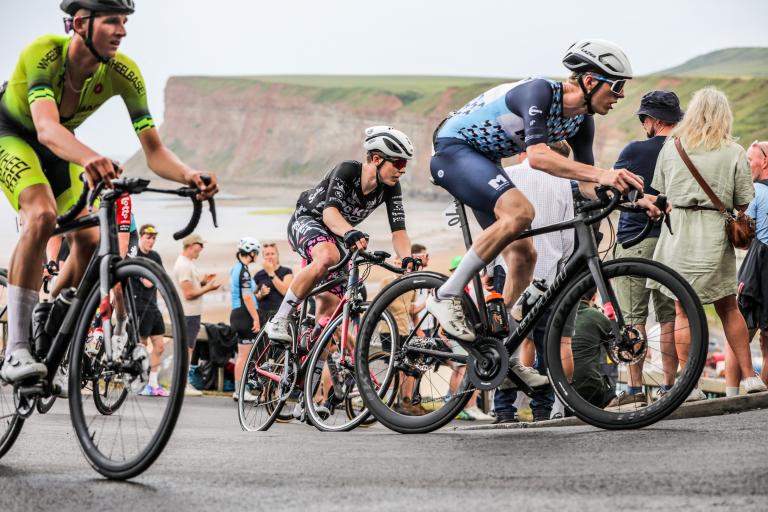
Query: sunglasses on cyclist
[
  {"x": 758, "y": 146},
  {"x": 617, "y": 86},
  {"x": 398, "y": 163}
]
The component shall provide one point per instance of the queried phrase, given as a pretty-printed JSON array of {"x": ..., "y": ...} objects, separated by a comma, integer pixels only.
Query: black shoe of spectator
[
  {"x": 541, "y": 414},
  {"x": 505, "y": 419}
]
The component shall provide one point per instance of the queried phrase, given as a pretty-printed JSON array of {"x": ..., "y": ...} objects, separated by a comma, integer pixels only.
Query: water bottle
[
  {"x": 59, "y": 311},
  {"x": 529, "y": 298},
  {"x": 39, "y": 316},
  {"x": 94, "y": 341},
  {"x": 497, "y": 314}
]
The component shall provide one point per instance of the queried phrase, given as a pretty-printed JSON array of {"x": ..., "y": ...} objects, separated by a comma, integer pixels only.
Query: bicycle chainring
[{"x": 490, "y": 371}]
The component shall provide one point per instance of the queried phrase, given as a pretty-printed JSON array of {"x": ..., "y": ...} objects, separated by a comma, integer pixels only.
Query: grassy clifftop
[{"x": 730, "y": 62}]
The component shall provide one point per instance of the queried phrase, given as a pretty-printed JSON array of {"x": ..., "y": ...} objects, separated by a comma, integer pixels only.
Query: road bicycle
[
  {"x": 315, "y": 373},
  {"x": 452, "y": 370},
  {"x": 121, "y": 432}
]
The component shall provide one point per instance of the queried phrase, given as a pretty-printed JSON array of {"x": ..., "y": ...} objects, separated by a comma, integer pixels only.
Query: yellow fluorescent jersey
[{"x": 39, "y": 75}]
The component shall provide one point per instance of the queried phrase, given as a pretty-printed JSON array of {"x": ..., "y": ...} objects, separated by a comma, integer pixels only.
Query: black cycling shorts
[
  {"x": 242, "y": 322},
  {"x": 304, "y": 233},
  {"x": 150, "y": 320}
]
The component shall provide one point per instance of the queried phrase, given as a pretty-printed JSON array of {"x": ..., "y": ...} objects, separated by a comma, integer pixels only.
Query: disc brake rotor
[{"x": 488, "y": 372}]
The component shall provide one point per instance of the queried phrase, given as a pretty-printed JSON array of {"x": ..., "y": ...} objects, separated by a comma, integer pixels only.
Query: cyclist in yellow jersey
[{"x": 58, "y": 82}]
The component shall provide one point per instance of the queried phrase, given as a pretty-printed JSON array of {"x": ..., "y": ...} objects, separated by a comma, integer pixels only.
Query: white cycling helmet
[
  {"x": 598, "y": 56},
  {"x": 249, "y": 245},
  {"x": 390, "y": 142}
]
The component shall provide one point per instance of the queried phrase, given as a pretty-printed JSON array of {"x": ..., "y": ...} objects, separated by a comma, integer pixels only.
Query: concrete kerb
[{"x": 713, "y": 407}]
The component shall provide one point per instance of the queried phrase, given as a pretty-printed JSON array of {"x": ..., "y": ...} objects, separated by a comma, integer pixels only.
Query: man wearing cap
[
  {"x": 659, "y": 113},
  {"x": 192, "y": 286},
  {"x": 151, "y": 324}
]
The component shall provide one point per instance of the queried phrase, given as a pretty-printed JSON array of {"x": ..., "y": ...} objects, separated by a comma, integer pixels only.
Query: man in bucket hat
[{"x": 659, "y": 112}]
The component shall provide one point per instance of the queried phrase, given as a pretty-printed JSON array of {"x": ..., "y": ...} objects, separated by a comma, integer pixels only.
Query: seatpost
[{"x": 462, "y": 213}]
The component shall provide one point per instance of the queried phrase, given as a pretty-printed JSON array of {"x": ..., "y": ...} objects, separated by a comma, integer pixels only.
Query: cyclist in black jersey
[
  {"x": 58, "y": 82},
  {"x": 326, "y": 217},
  {"x": 506, "y": 121}
]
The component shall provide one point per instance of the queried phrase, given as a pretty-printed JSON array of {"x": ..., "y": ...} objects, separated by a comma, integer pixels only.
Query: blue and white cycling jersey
[
  {"x": 241, "y": 281},
  {"x": 505, "y": 120}
]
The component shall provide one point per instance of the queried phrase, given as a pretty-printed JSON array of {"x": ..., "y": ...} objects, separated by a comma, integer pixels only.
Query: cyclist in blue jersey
[
  {"x": 503, "y": 122},
  {"x": 244, "y": 317}
]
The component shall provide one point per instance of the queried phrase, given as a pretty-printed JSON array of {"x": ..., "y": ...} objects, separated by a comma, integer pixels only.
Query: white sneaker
[
  {"x": 754, "y": 385},
  {"x": 247, "y": 396},
  {"x": 62, "y": 381},
  {"x": 558, "y": 410},
  {"x": 530, "y": 376},
  {"x": 450, "y": 315},
  {"x": 20, "y": 365},
  {"x": 190, "y": 390},
  {"x": 696, "y": 396},
  {"x": 277, "y": 330},
  {"x": 478, "y": 414}
]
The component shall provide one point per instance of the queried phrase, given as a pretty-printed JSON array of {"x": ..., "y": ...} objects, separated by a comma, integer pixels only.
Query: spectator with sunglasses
[
  {"x": 506, "y": 121},
  {"x": 326, "y": 217}
]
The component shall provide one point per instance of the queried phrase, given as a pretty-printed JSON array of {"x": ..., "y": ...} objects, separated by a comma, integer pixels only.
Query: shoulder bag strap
[{"x": 697, "y": 176}]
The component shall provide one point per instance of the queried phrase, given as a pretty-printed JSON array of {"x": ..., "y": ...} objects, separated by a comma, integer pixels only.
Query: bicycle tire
[
  {"x": 270, "y": 389},
  {"x": 394, "y": 384},
  {"x": 121, "y": 470},
  {"x": 687, "y": 379},
  {"x": 380, "y": 410},
  {"x": 10, "y": 424}
]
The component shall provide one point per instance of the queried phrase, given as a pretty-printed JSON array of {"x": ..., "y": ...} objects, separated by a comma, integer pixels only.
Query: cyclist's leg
[
  {"x": 82, "y": 243},
  {"x": 26, "y": 187},
  {"x": 314, "y": 242},
  {"x": 483, "y": 185}
]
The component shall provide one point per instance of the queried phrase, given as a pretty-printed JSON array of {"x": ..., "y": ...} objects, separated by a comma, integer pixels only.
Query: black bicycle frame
[
  {"x": 98, "y": 270},
  {"x": 585, "y": 257}
]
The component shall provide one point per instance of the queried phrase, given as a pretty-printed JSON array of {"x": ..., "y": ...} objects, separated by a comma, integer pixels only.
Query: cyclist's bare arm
[
  {"x": 401, "y": 243},
  {"x": 51, "y": 133},
  {"x": 541, "y": 157},
  {"x": 334, "y": 221},
  {"x": 166, "y": 164}
]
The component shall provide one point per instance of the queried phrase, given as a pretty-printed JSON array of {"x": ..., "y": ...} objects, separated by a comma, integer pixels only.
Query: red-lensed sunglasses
[{"x": 398, "y": 164}]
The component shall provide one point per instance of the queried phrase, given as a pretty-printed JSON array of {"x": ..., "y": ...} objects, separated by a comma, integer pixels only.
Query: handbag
[{"x": 740, "y": 228}]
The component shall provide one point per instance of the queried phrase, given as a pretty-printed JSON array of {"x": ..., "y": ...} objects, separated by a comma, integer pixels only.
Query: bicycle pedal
[{"x": 31, "y": 389}]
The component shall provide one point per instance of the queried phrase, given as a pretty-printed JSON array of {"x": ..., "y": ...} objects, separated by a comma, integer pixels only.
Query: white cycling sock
[
  {"x": 21, "y": 302},
  {"x": 153, "y": 379},
  {"x": 731, "y": 391},
  {"x": 470, "y": 265},
  {"x": 290, "y": 302}
]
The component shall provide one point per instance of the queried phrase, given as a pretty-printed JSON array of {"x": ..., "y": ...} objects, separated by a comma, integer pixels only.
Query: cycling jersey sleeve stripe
[
  {"x": 143, "y": 123},
  {"x": 40, "y": 93}
]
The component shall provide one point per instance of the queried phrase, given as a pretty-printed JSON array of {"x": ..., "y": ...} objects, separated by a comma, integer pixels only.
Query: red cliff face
[{"x": 276, "y": 133}]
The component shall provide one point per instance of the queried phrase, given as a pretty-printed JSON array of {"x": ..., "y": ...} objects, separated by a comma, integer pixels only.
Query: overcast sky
[{"x": 500, "y": 38}]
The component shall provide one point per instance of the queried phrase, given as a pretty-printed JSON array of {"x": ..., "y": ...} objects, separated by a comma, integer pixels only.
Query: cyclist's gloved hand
[
  {"x": 356, "y": 239},
  {"x": 410, "y": 263}
]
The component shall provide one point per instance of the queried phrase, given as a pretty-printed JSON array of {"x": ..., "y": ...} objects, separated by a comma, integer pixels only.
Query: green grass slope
[{"x": 730, "y": 62}]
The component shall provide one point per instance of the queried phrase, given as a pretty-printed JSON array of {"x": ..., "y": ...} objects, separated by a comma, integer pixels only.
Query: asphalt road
[{"x": 716, "y": 463}]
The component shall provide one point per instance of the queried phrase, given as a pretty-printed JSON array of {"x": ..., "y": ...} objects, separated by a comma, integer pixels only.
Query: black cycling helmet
[
  {"x": 96, "y": 6},
  {"x": 120, "y": 6}
]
